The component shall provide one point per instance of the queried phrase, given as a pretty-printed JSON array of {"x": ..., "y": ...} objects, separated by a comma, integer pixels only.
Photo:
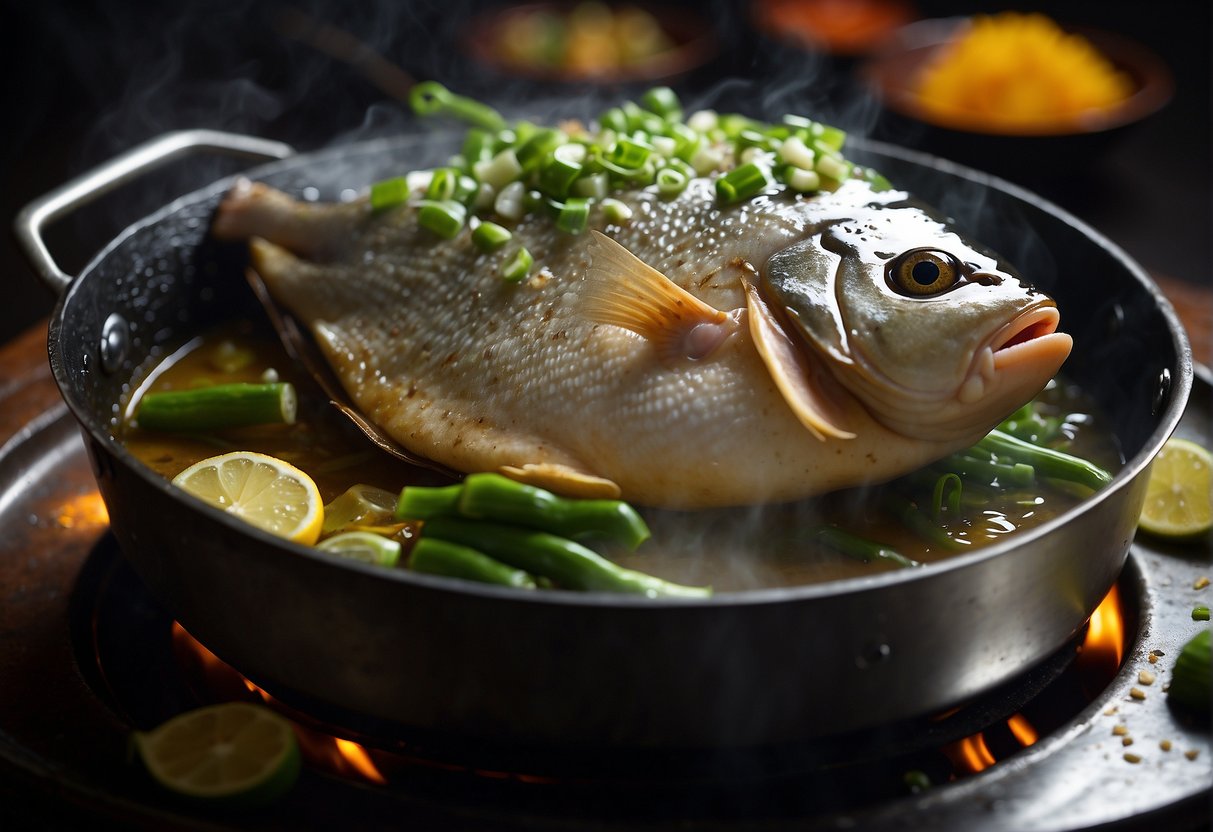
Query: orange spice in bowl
[{"x": 1019, "y": 73}]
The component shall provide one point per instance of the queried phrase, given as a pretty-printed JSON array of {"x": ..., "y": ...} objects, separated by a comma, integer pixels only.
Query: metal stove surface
[{"x": 63, "y": 742}]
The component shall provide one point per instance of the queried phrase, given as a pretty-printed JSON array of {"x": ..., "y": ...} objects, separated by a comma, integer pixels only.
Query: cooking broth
[{"x": 733, "y": 549}]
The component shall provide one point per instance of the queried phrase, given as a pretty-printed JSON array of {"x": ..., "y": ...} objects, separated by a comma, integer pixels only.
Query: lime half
[
  {"x": 234, "y": 753},
  {"x": 1179, "y": 495}
]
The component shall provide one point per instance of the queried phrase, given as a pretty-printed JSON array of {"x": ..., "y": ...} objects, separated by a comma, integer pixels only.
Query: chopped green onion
[
  {"x": 477, "y": 146},
  {"x": 443, "y": 184},
  {"x": 531, "y": 152},
  {"x": 614, "y": 119},
  {"x": 389, "y": 193},
  {"x": 430, "y": 98},
  {"x": 218, "y": 407},
  {"x": 511, "y": 201},
  {"x": 742, "y": 183},
  {"x": 801, "y": 180},
  {"x": 616, "y": 212},
  {"x": 445, "y": 218},
  {"x": 826, "y": 136},
  {"x": 558, "y": 172},
  {"x": 489, "y": 236},
  {"x": 516, "y": 268},
  {"x": 1191, "y": 679},
  {"x": 671, "y": 182},
  {"x": 592, "y": 186},
  {"x": 664, "y": 102},
  {"x": 832, "y": 167},
  {"x": 795, "y": 152},
  {"x": 1200, "y": 614},
  {"x": 640, "y": 119},
  {"x": 628, "y": 154},
  {"x": 574, "y": 215}
]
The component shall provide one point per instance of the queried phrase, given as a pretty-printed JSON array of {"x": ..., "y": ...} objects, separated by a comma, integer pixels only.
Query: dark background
[{"x": 86, "y": 80}]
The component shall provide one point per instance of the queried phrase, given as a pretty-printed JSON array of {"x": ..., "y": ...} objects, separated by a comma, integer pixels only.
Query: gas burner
[{"x": 94, "y": 656}]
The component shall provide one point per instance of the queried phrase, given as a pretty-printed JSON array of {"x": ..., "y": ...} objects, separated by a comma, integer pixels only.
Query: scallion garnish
[
  {"x": 506, "y": 171},
  {"x": 443, "y": 217},
  {"x": 746, "y": 181},
  {"x": 389, "y": 193},
  {"x": 489, "y": 236},
  {"x": 517, "y": 267}
]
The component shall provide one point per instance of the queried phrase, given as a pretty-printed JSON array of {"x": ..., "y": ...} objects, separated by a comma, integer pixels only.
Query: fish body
[{"x": 696, "y": 355}]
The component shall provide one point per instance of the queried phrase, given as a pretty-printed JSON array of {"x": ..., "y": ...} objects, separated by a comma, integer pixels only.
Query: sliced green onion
[
  {"x": 801, "y": 180},
  {"x": 516, "y": 268},
  {"x": 531, "y": 152},
  {"x": 443, "y": 184},
  {"x": 574, "y": 215},
  {"x": 641, "y": 119},
  {"x": 948, "y": 487},
  {"x": 445, "y": 218},
  {"x": 477, "y": 146},
  {"x": 614, "y": 119},
  {"x": 796, "y": 152},
  {"x": 511, "y": 201},
  {"x": 592, "y": 186},
  {"x": 489, "y": 236},
  {"x": 826, "y": 136},
  {"x": 628, "y": 154},
  {"x": 671, "y": 182},
  {"x": 558, "y": 172},
  {"x": 664, "y": 102},
  {"x": 616, "y": 212},
  {"x": 389, "y": 193},
  {"x": 430, "y": 98},
  {"x": 832, "y": 167},
  {"x": 742, "y": 183},
  {"x": 1200, "y": 613},
  {"x": 703, "y": 121}
]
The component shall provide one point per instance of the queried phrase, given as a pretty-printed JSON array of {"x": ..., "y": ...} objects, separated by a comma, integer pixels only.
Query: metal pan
[{"x": 569, "y": 670}]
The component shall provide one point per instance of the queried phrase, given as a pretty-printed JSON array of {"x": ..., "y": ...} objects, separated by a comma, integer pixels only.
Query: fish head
[{"x": 936, "y": 337}]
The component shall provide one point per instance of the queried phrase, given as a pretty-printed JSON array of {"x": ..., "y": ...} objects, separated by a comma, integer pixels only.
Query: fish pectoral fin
[
  {"x": 563, "y": 479},
  {"x": 804, "y": 386},
  {"x": 624, "y": 291}
]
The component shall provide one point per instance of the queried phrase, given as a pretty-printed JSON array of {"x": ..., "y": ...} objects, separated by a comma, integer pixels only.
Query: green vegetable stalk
[
  {"x": 569, "y": 564},
  {"x": 217, "y": 407},
  {"x": 440, "y": 557},
  {"x": 859, "y": 548},
  {"x": 1045, "y": 461}
]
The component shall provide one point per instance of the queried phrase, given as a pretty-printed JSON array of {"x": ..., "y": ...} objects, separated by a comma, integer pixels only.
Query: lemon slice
[
  {"x": 360, "y": 505},
  {"x": 363, "y": 546},
  {"x": 234, "y": 753},
  {"x": 1179, "y": 495},
  {"x": 266, "y": 492}
]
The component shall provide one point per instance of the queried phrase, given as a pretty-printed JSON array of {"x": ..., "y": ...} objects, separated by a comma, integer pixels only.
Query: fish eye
[{"x": 922, "y": 272}]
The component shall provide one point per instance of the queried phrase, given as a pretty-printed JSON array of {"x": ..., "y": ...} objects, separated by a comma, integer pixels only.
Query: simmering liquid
[{"x": 729, "y": 549}]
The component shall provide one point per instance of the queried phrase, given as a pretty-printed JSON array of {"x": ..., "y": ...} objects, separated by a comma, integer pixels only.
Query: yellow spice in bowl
[{"x": 1019, "y": 73}]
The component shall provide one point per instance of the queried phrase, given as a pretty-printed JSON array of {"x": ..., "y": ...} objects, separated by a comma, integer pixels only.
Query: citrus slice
[
  {"x": 266, "y": 492},
  {"x": 363, "y": 546},
  {"x": 360, "y": 505},
  {"x": 234, "y": 753},
  {"x": 1179, "y": 495}
]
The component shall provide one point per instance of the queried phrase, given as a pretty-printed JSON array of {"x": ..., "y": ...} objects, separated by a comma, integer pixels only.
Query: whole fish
[{"x": 695, "y": 355}]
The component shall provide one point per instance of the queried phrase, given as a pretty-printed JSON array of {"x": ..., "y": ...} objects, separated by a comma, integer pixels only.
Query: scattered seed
[
  {"x": 1145, "y": 677},
  {"x": 1200, "y": 582},
  {"x": 1110, "y": 711},
  {"x": 1127, "y": 741},
  {"x": 1132, "y": 758},
  {"x": 1153, "y": 658},
  {"x": 1192, "y": 753},
  {"x": 1120, "y": 731},
  {"x": 1137, "y": 693},
  {"x": 1165, "y": 745}
]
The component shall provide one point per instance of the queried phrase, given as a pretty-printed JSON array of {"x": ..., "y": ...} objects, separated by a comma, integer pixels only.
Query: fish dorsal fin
[
  {"x": 622, "y": 290},
  {"x": 802, "y": 383}
]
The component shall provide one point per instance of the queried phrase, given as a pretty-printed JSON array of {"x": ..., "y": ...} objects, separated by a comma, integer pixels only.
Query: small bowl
[
  {"x": 893, "y": 72},
  {"x": 691, "y": 45}
]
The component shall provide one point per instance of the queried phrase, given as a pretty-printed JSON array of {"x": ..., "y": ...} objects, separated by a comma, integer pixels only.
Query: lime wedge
[
  {"x": 231, "y": 754},
  {"x": 1179, "y": 495},
  {"x": 367, "y": 547}
]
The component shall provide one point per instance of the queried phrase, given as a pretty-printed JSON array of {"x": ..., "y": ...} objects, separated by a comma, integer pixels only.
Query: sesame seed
[
  {"x": 1120, "y": 731},
  {"x": 1137, "y": 693},
  {"x": 1165, "y": 745},
  {"x": 1200, "y": 582},
  {"x": 1132, "y": 758},
  {"x": 1192, "y": 753},
  {"x": 1145, "y": 677},
  {"x": 1127, "y": 741}
]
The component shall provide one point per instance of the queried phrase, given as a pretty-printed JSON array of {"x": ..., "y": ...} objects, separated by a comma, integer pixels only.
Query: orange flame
[
  {"x": 970, "y": 755},
  {"x": 1105, "y": 639},
  {"x": 84, "y": 510},
  {"x": 1023, "y": 730},
  {"x": 334, "y": 754}
]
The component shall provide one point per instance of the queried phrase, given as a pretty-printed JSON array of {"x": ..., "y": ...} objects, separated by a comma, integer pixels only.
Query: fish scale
[{"x": 477, "y": 374}]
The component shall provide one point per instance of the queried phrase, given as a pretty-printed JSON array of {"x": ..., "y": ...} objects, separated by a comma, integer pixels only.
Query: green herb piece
[
  {"x": 218, "y": 407},
  {"x": 389, "y": 193},
  {"x": 445, "y": 218},
  {"x": 489, "y": 236},
  {"x": 861, "y": 549},
  {"x": 1200, "y": 614},
  {"x": 516, "y": 268},
  {"x": 1192, "y": 679},
  {"x": 574, "y": 215},
  {"x": 742, "y": 183}
]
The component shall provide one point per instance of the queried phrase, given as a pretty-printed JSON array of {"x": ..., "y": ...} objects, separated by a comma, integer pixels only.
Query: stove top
[{"x": 88, "y": 655}]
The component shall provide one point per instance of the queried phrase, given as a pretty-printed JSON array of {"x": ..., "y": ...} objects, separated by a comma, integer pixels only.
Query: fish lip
[{"x": 1030, "y": 327}]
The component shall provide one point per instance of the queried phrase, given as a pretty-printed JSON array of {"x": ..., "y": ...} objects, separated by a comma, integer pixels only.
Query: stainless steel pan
[{"x": 575, "y": 670}]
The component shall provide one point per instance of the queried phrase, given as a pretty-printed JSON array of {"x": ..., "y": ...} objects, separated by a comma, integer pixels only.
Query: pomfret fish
[{"x": 694, "y": 356}]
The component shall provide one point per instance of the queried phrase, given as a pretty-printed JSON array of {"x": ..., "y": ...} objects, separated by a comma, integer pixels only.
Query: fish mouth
[{"x": 1028, "y": 347}]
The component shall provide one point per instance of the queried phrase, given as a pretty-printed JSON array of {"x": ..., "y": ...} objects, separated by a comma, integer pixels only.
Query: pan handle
[{"x": 152, "y": 154}]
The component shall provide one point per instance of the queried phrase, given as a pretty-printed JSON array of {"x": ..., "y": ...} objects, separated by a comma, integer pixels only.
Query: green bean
[
  {"x": 1046, "y": 461},
  {"x": 440, "y": 557},
  {"x": 218, "y": 406},
  {"x": 987, "y": 470},
  {"x": 859, "y": 548},
  {"x": 418, "y": 502},
  {"x": 913, "y": 518},
  {"x": 494, "y": 497},
  {"x": 569, "y": 564}
]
